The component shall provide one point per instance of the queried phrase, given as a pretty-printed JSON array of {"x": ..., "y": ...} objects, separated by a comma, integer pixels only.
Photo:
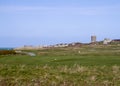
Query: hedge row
[{"x": 7, "y": 52}]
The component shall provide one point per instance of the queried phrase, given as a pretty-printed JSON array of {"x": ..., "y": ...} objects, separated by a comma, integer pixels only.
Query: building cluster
[
  {"x": 94, "y": 40},
  {"x": 75, "y": 44},
  {"x": 105, "y": 41},
  {"x": 61, "y": 45},
  {"x": 30, "y": 47}
]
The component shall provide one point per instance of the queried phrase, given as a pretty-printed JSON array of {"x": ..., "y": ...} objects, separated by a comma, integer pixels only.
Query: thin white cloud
[{"x": 61, "y": 10}]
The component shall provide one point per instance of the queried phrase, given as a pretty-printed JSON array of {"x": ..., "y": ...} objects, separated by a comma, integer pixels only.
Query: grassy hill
[{"x": 87, "y": 65}]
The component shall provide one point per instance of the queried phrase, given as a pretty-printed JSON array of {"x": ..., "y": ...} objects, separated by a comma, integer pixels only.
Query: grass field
[{"x": 72, "y": 66}]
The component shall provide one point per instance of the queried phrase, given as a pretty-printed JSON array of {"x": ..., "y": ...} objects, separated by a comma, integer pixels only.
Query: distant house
[
  {"x": 106, "y": 41},
  {"x": 60, "y": 45},
  {"x": 25, "y": 47},
  {"x": 116, "y": 41},
  {"x": 75, "y": 44}
]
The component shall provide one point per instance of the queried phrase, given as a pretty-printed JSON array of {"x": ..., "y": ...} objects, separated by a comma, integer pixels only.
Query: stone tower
[{"x": 93, "y": 39}]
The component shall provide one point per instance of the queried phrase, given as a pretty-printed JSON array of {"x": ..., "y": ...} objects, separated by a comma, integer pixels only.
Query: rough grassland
[{"x": 83, "y": 66}]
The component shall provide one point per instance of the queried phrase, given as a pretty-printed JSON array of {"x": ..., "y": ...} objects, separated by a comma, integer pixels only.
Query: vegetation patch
[
  {"x": 7, "y": 52},
  {"x": 79, "y": 66},
  {"x": 75, "y": 75}
]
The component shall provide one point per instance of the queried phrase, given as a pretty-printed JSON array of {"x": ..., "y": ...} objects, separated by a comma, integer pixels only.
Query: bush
[{"x": 7, "y": 52}]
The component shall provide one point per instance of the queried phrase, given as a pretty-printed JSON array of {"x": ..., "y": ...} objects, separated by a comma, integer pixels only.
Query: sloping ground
[{"x": 72, "y": 66}]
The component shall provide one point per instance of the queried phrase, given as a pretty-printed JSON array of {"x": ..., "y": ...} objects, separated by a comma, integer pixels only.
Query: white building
[{"x": 106, "y": 41}]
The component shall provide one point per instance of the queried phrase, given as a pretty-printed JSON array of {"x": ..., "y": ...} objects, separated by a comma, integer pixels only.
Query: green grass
[
  {"x": 82, "y": 66},
  {"x": 62, "y": 60}
]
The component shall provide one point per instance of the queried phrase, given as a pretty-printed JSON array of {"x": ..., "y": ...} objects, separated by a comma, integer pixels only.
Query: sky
[{"x": 46, "y": 22}]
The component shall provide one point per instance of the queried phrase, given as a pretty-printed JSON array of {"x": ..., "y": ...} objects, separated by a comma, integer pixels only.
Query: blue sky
[{"x": 44, "y": 22}]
